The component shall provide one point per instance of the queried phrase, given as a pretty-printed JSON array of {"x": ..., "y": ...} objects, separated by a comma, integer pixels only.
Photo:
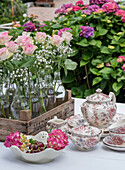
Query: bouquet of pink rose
[
  {"x": 22, "y": 60},
  {"x": 57, "y": 140}
]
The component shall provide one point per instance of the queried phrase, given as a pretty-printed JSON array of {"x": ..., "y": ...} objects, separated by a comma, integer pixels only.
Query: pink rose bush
[
  {"x": 40, "y": 37},
  {"x": 4, "y": 54},
  {"x": 4, "y": 37},
  {"x": 56, "y": 40},
  {"x": 11, "y": 46},
  {"x": 23, "y": 40},
  {"x": 29, "y": 49}
]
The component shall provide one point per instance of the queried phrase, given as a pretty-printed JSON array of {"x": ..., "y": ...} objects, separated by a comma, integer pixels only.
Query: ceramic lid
[
  {"x": 98, "y": 97},
  {"x": 85, "y": 131}
]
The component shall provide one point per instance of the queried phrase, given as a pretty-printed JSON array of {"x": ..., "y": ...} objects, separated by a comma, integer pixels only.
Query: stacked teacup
[{"x": 117, "y": 132}]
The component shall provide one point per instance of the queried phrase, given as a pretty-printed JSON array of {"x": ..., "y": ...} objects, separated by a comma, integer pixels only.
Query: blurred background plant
[{"x": 11, "y": 10}]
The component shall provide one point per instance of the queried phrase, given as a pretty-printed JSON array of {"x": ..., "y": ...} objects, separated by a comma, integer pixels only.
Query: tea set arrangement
[{"x": 99, "y": 120}]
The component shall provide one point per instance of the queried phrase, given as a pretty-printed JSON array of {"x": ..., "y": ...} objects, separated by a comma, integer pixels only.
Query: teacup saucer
[
  {"x": 107, "y": 141},
  {"x": 116, "y": 118}
]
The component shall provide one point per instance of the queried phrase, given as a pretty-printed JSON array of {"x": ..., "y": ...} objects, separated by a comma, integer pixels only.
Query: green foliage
[
  {"x": 6, "y": 11},
  {"x": 95, "y": 52}
]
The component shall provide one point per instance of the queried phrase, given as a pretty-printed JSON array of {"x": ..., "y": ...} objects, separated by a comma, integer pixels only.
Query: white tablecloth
[{"x": 100, "y": 158}]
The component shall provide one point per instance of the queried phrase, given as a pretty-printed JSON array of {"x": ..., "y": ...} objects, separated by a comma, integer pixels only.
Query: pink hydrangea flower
[
  {"x": 99, "y": 11},
  {"x": 40, "y": 37},
  {"x": 23, "y": 40},
  {"x": 4, "y": 54},
  {"x": 110, "y": 7},
  {"x": 11, "y": 46},
  {"x": 80, "y": 2},
  {"x": 108, "y": 64},
  {"x": 123, "y": 18},
  {"x": 62, "y": 30},
  {"x": 57, "y": 140},
  {"x": 56, "y": 40},
  {"x": 123, "y": 67},
  {"x": 67, "y": 36},
  {"x": 121, "y": 59},
  {"x": 4, "y": 37},
  {"x": 120, "y": 13},
  {"x": 29, "y": 49},
  {"x": 76, "y": 8},
  {"x": 13, "y": 139}
]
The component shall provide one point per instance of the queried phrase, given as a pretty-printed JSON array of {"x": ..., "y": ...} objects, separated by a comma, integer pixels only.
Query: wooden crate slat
[{"x": 63, "y": 111}]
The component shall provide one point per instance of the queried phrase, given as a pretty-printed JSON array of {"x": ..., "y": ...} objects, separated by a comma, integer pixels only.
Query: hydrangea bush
[{"x": 98, "y": 40}]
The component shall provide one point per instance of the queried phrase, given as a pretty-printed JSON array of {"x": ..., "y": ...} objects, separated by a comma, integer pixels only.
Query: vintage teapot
[{"x": 99, "y": 109}]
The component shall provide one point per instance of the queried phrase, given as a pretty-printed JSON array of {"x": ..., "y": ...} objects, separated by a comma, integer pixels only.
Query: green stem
[
  {"x": 30, "y": 102},
  {"x": 41, "y": 96},
  {"x": 3, "y": 111},
  {"x": 20, "y": 95}
]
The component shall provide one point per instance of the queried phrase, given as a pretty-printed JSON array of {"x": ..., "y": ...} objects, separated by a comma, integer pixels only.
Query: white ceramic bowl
[{"x": 45, "y": 156}]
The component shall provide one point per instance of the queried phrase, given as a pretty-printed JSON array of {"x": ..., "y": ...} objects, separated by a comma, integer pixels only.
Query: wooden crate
[{"x": 33, "y": 126}]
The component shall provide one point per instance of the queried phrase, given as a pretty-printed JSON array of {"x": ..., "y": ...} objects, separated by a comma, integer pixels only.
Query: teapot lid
[{"x": 98, "y": 97}]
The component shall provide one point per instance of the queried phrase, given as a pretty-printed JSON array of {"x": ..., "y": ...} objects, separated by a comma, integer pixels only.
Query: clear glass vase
[
  {"x": 4, "y": 104},
  {"x": 19, "y": 103},
  {"x": 59, "y": 89}
]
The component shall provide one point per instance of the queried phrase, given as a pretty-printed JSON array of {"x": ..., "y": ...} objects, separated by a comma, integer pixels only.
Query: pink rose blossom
[
  {"x": 23, "y": 40},
  {"x": 4, "y": 54},
  {"x": 12, "y": 46},
  {"x": 67, "y": 36},
  {"x": 40, "y": 37},
  {"x": 4, "y": 37},
  {"x": 56, "y": 40},
  {"x": 57, "y": 140},
  {"x": 29, "y": 49}
]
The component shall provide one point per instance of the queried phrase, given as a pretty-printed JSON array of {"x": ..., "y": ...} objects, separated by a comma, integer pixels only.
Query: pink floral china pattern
[
  {"x": 99, "y": 109},
  {"x": 76, "y": 120},
  {"x": 107, "y": 141},
  {"x": 85, "y": 138}
]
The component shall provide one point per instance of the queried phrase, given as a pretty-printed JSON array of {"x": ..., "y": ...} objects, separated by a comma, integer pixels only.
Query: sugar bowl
[
  {"x": 85, "y": 137},
  {"x": 99, "y": 108}
]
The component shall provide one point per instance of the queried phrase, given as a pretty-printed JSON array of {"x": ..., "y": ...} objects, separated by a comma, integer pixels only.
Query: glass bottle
[
  {"x": 42, "y": 95},
  {"x": 59, "y": 89},
  {"x": 19, "y": 103},
  {"x": 50, "y": 92},
  {"x": 35, "y": 102},
  {"x": 4, "y": 104}
]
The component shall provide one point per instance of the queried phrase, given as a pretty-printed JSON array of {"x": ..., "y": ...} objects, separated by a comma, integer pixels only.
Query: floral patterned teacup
[
  {"x": 85, "y": 137},
  {"x": 117, "y": 132}
]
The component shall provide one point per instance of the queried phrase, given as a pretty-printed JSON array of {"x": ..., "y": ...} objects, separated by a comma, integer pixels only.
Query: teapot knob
[
  {"x": 112, "y": 96},
  {"x": 98, "y": 90}
]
